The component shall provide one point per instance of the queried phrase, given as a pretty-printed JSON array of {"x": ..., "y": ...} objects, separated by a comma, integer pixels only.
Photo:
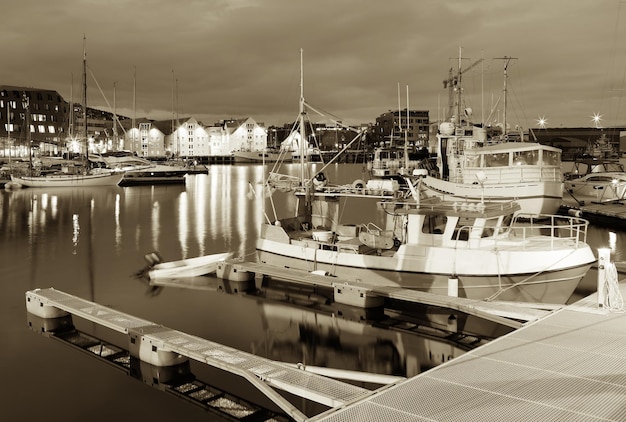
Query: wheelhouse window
[
  {"x": 497, "y": 159},
  {"x": 552, "y": 158},
  {"x": 530, "y": 158}
]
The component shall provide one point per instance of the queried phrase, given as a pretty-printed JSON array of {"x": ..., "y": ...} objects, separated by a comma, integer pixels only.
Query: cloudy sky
[{"x": 217, "y": 59}]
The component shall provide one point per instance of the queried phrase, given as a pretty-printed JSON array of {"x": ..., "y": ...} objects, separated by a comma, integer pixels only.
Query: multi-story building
[
  {"x": 392, "y": 127},
  {"x": 47, "y": 114}
]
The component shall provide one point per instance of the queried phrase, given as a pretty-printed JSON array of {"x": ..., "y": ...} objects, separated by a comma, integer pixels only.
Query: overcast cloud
[{"x": 239, "y": 58}]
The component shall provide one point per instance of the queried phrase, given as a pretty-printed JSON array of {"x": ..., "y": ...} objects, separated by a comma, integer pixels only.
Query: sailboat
[
  {"x": 68, "y": 178},
  {"x": 472, "y": 166},
  {"x": 422, "y": 243}
]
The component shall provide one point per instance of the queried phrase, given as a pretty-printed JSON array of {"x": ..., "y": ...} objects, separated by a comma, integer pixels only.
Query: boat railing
[
  {"x": 554, "y": 226},
  {"x": 515, "y": 174},
  {"x": 526, "y": 227}
]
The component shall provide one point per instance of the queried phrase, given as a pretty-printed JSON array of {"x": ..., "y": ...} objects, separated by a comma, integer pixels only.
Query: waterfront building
[
  {"x": 48, "y": 119},
  {"x": 391, "y": 127},
  {"x": 244, "y": 135}
]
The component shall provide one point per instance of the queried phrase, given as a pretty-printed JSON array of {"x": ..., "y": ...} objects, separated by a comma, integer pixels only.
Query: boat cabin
[
  {"x": 587, "y": 166},
  {"x": 434, "y": 222}
]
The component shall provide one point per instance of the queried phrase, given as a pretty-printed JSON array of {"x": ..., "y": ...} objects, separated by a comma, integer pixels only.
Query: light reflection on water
[{"x": 88, "y": 242}]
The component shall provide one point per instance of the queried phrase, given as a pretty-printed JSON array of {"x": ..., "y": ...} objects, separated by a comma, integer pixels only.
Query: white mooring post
[
  {"x": 604, "y": 258},
  {"x": 453, "y": 287}
]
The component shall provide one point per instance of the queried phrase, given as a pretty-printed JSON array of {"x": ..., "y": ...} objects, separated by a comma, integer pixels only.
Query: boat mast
[
  {"x": 302, "y": 128},
  {"x": 85, "y": 99},
  {"x": 458, "y": 89},
  {"x": 406, "y": 133},
  {"x": 26, "y": 106},
  {"x": 115, "y": 141},
  {"x": 506, "y": 60},
  {"x": 9, "y": 133}
]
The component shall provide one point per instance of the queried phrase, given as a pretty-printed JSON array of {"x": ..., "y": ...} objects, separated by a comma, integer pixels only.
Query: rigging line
[
  {"x": 337, "y": 121},
  {"x": 105, "y": 98},
  {"x": 530, "y": 277},
  {"x": 356, "y": 137}
]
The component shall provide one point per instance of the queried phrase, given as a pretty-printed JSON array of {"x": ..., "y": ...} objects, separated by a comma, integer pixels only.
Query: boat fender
[
  {"x": 153, "y": 258},
  {"x": 358, "y": 184},
  {"x": 575, "y": 213}
]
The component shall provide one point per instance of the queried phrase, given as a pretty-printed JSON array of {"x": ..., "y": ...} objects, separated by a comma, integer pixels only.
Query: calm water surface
[{"x": 89, "y": 243}]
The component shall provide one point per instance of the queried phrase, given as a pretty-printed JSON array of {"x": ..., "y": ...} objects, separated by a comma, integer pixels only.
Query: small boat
[
  {"x": 596, "y": 180},
  {"x": 189, "y": 267},
  {"x": 140, "y": 171}
]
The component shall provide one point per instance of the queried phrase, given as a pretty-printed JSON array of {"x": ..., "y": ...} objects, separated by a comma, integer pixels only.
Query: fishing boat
[
  {"x": 474, "y": 166},
  {"x": 71, "y": 176},
  {"x": 423, "y": 243}
]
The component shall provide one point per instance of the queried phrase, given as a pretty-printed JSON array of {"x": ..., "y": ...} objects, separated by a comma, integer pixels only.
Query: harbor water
[{"x": 89, "y": 242}]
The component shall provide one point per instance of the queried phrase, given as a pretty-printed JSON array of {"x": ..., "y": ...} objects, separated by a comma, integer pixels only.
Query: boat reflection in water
[{"x": 301, "y": 325}]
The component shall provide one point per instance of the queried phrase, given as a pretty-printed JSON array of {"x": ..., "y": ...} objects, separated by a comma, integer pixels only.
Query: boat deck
[{"x": 570, "y": 365}]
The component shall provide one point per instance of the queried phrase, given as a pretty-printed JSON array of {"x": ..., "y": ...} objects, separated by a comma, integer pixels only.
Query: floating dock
[
  {"x": 567, "y": 365},
  {"x": 601, "y": 213}
]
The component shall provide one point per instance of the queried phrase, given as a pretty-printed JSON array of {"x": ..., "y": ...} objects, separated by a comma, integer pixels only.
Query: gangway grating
[{"x": 182, "y": 384}]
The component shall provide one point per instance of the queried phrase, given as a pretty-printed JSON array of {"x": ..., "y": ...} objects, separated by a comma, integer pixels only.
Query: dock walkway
[{"x": 568, "y": 366}]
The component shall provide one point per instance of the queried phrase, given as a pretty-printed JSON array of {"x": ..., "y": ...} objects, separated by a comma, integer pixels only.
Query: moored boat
[
  {"x": 69, "y": 180},
  {"x": 473, "y": 165},
  {"x": 422, "y": 243},
  {"x": 189, "y": 267},
  {"x": 596, "y": 180}
]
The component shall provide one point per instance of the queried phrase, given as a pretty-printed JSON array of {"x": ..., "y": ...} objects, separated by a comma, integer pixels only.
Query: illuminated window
[
  {"x": 51, "y": 129},
  {"x": 42, "y": 129}
]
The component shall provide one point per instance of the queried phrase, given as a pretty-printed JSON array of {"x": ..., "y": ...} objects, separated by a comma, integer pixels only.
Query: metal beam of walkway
[
  {"x": 160, "y": 345},
  {"x": 506, "y": 313}
]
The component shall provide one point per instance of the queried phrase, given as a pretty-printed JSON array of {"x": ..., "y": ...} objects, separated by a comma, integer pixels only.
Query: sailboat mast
[
  {"x": 302, "y": 128},
  {"x": 115, "y": 141},
  {"x": 9, "y": 133},
  {"x": 85, "y": 99}
]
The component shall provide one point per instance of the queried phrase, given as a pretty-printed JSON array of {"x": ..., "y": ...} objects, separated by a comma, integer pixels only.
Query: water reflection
[{"x": 88, "y": 242}]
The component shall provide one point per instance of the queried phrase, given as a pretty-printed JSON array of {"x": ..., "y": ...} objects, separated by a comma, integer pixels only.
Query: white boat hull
[
  {"x": 477, "y": 273},
  {"x": 520, "y": 269},
  {"x": 69, "y": 180},
  {"x": 190, "y": 267},
  {"x": 534, "y": 197}
]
